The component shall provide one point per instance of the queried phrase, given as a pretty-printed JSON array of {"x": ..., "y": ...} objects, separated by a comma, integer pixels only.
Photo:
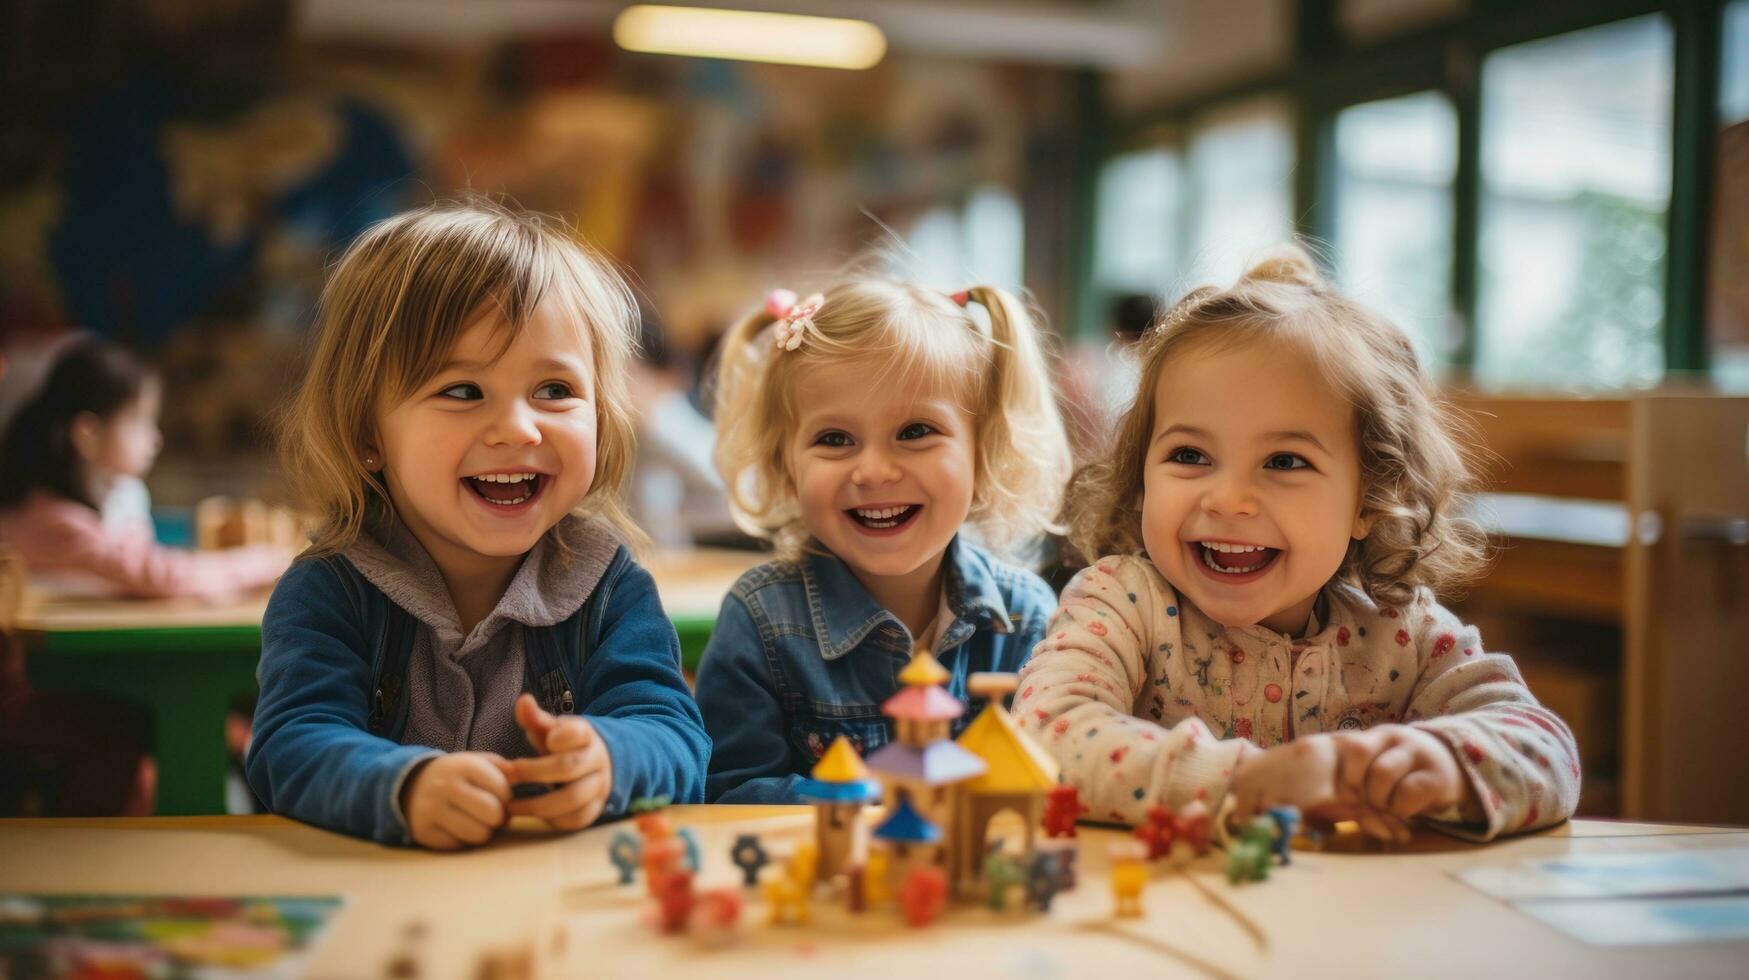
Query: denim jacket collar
[{"x": 844, "y": 612}]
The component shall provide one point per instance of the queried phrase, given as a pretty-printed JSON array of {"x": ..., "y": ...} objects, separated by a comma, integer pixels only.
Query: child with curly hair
[{"x": 1276, "y": 515}]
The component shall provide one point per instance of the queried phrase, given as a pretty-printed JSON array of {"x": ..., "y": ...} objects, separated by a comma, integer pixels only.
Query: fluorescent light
[{"x": 785, "y": 39}]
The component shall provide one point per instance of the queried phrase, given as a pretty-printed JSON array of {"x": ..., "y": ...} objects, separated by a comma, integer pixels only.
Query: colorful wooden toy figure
[
  {"x": 625, "y": 853},
  {"x": 1129, "y": 875},
  {"x": 715, "y": 914},
  {"x": 652, "y": 822},
  {"x": 1066, "y": 855},
  {"x": 689, "y": 844},
  {"x": 674, "y": 901},
  {"x": 876, "y": 887},
  {"x": 1248, "y": 857},
  {"x": 1001, "y": 872},
  {"x": 1194, "y": 826},
  {"x": 1063, "y": 807},
  {"x": 1287, "y": 823},
  {"x": 1157, "y": 833},
  {"x": 662, "y": 857},
  {"x": 923, "y": 895},
  {"x": 749, "y": 855},
  {"x": 1043, "y": 881}
]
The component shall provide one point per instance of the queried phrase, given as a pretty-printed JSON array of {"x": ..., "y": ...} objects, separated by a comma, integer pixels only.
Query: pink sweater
[
  {"x": 1142, "y": 698},
  {"x": 66, "y": 542}
]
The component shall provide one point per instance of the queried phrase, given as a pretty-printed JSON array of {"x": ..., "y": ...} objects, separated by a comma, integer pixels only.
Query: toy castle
[{"x": 940, "y": 794}]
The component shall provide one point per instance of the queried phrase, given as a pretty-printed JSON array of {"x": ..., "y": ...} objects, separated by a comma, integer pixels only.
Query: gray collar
[{"x": 555, "y": 579}]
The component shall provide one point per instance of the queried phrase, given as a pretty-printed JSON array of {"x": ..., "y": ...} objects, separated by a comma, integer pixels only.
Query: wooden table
[
  {"x": 184, "y": 660},
  {"x": 1331, "y": 914}
]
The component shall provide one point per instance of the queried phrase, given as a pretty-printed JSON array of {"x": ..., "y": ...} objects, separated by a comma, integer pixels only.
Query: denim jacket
[
  {"x": 802, "y": 653},
  {"x": 334, "y": 653}
]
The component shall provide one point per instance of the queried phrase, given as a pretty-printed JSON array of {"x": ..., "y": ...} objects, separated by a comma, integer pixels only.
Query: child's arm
[
  {"x": 312, "y": 757},
  {"x": 635, "y": 697},
  {"x": 750, "y": 759},
  {"x": 136, "y": 565},
  {"x": 1520, "y": 758},
  {"x": 1078, "y": 695}
]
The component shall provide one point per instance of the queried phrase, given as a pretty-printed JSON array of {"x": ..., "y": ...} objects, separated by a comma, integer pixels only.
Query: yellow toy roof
[
  {"x": 1016, "y": 763},
  {"x": 840, "y": 764},
  {"x": 923, "y": 670}
]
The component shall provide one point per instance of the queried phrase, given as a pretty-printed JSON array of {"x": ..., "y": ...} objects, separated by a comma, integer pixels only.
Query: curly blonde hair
[
  {"x": 1415, "y": 469},
  {"x": 996, "y": 365},
  {"x": 394, "y": 306}
]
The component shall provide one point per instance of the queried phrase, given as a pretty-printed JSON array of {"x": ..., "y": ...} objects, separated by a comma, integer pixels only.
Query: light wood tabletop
[{"x": 1348, "y": 913}]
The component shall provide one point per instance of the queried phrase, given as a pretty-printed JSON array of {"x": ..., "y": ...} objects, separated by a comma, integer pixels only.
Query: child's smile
[
  {"x": 503, "y": 493},
  {"x": 1251, "y": 488},
  {"x": 1233, "y": 562}
]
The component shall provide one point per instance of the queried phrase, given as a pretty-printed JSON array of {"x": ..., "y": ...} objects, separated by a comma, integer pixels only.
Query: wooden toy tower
[
  {"x": 922, "y": 769},
  {"x": 839, "y": 788},
  {"x": 1018, "y": 775}
]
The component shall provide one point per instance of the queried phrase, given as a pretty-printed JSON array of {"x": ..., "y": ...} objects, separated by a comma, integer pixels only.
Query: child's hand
[
  {"x": 573, "y": 760},
  {"x": 1403, "y": 771},
  {"x": 1305, "y": 773},
  {"x": 457, "y": 799}
]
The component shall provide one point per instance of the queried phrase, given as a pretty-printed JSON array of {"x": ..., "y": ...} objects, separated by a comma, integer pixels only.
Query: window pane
[
  {"x": 981, "y": 243},
  {"x": 1241, "y": 194},
  {"x": 1139, "y": 223},
  {"x": 1728, "y": 276},
  {"x": 1395, "y": 161},
  {"x": 1575, "y": 183}
]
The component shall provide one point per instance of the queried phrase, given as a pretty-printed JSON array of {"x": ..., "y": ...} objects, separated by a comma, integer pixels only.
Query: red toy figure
[
  {"x": 674, "y": 900},
  {"x": 653, "y": 825},
  {"x": 1193, "y": 827},
  {"x": 1062, "y": 807},
  {"x": 663, "y": 858},
  {"x": 715, "y": 914},
  {"x": 923, "y": 896},
  {"x": 1158, "y": 832}
]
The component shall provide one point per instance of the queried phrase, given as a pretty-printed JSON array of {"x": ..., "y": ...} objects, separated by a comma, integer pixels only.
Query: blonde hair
[
  {"x": 393, "y": 308},
  {"x": 997, "y": 367},
  {"x": 1414, "y": 468}
]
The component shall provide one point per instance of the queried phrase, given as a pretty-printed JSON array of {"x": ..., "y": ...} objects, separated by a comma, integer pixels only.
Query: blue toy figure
[
  {"x": 1043, "y": 879},
  {"x": 1287, "y": 824},
  {"x": 625, "y": 852},
  {"x": 689, "y": 840}
]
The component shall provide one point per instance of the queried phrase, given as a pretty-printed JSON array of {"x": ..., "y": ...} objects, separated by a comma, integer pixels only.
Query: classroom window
[
  {"x": 1576, "y": 144},
  {"x": 1139, "y": 223},
  {"x": 1728, "y": 275},
  {"x": 1240, "y": 193},
  {"x": 1395, "y": 162},
  {"x": 981, "y": 242}
]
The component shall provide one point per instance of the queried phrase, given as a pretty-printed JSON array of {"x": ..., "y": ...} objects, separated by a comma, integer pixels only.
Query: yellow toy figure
[
  {"x": 876, "y": 889},
  {"x": 804, "y": 864},
  {"x": 1129, "y": 875},
  {"x": 789, "y": 893}
]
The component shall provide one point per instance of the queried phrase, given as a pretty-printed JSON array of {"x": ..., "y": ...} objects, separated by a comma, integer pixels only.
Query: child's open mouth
[
  {"x": 506, "y": 489},
  {"x": 1234, "y": 561},
  {"x": 883, "y": 520}
]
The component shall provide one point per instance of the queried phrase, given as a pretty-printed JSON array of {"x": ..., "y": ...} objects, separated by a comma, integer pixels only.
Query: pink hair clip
[
  {"x": 960, "y": 298},
  {"x": 794, "y": 318}
]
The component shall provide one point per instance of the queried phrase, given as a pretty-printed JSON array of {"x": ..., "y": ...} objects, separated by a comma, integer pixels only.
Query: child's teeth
[{"x": 1209, "y": 548}]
